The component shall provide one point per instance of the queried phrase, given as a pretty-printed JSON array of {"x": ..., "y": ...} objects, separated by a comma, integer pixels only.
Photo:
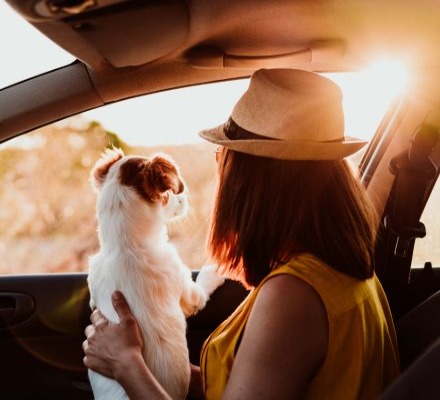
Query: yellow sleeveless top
[{"x": 362, "y": 355}]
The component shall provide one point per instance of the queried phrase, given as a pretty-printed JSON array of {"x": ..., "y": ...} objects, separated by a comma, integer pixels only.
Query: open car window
[
  {"x": 47, "y": 206},
  {"x": 427, "y": 249}
]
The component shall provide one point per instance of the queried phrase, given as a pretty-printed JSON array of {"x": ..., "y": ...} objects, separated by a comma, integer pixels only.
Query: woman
[{"x": 292, "y": 222}]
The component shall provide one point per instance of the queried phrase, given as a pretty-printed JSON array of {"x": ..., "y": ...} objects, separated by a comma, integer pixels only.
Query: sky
[{"x": 175, "y": 117}]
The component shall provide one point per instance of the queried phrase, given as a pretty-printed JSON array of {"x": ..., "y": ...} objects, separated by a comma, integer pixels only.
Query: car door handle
[{"x": 15, "y": 308}]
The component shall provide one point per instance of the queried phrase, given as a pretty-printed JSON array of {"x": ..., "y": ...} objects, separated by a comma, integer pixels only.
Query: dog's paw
[{"x": 209, "y": 278}]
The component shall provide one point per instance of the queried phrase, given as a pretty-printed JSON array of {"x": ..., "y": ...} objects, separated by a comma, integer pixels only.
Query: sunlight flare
[
  {"x": 392, "y": 74},
  {"x": 368, "y": 93}
]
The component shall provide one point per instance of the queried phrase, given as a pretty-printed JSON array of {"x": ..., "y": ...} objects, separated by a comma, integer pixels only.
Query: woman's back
[{"x": 362, "y": 351}]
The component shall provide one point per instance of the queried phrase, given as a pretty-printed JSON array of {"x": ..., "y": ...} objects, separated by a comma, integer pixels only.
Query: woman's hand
[
  {"x": 115, "y": 350},
  {"x": 111, "y": 348}
]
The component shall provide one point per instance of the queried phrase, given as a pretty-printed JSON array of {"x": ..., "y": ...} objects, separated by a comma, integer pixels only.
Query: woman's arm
[
  {"x": 195, "y": 388},
  {"x": 115, "y": 350},
  {"x": 283, "y": 345}
]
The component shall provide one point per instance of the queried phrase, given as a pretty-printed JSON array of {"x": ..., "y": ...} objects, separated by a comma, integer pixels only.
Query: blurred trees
[{"x": 47, "y": 207}]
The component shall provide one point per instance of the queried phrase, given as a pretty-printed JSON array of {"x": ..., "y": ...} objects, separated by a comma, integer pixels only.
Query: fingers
[
  {"x": 121, "y": 307},
  {"x": 99, "y": 323},
  {"x": 89, "y": 331},
  {"x": 96, "y": 316},
  {"x": 85, "y": 346},
  {"x": 98, "y": 320}
]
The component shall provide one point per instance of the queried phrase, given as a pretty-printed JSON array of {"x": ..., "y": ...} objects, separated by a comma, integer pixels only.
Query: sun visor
[{"x": 123, "y": 33}]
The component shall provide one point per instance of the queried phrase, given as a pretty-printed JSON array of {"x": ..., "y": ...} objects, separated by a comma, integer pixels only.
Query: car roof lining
[{"x": 258, "y": 28}]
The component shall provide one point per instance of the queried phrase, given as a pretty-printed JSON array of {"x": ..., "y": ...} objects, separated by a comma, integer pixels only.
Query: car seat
[
  {"x": 418, "y": 329},
  {"x": 420, "y": 380},
  {"x": 418, "y": 334}
]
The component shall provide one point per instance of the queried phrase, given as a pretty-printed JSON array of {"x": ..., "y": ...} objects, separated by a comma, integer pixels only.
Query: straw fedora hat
[{"x": 287, "y": 114}]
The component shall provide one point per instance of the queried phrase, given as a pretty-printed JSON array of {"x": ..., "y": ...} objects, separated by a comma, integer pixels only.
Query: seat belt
[{"x": 415, "y": 174}]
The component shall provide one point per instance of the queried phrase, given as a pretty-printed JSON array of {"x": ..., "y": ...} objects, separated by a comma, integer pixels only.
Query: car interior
[{"x": 129, "y": 48}]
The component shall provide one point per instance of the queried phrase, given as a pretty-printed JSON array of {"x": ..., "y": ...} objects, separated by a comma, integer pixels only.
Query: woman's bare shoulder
[
  {"x": 288, "y": 290},
  {"x": 285, "y": 341}
]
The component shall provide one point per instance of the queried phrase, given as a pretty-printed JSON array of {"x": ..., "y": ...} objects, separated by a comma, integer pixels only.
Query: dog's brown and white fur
[{"x": 137, "y": 196}]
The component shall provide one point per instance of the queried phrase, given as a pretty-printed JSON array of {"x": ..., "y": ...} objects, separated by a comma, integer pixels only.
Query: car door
[
  {"x": 41, "y": 331},
  {"x": 43, "y": 318}
]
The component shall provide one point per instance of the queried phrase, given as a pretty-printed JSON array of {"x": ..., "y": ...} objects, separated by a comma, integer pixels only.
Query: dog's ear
[
  {"x": 161, "y": 175},
  {"x": 102, "y": 166}
]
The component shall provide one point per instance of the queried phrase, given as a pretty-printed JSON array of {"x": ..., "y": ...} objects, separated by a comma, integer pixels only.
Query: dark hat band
[{"x": 236, "y": 132}]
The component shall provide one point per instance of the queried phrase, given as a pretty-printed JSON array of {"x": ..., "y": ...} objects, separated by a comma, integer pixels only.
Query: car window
[
  {"x": 427, "y": 249},
  {"x": 47, "y": 206},
  {"x": 25, "y": 51}
]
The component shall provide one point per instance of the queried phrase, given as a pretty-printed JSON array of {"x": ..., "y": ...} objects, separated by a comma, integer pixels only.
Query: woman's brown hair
[{"x": 267, "y": 210}]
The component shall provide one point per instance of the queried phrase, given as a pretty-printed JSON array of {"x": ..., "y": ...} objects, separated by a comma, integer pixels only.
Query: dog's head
[{"x": 155, "y": 180}]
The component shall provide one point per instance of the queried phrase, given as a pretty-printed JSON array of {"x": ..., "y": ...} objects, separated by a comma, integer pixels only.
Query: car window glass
[
  {"x": 25, "y": 51},
  {"x": 47, "y": 206},
  {"x": 427, "y": 249}
]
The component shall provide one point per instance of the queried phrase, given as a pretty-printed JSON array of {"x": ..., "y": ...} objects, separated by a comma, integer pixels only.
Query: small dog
[{"x": 137, "y": 196}]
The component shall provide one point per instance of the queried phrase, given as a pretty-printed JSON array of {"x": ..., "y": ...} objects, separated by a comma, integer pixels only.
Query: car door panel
[{"x": 42, "y": 352}]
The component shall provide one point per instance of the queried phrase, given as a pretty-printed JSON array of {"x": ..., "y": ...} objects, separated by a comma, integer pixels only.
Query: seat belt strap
[{"x": 415, "y": 173}]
